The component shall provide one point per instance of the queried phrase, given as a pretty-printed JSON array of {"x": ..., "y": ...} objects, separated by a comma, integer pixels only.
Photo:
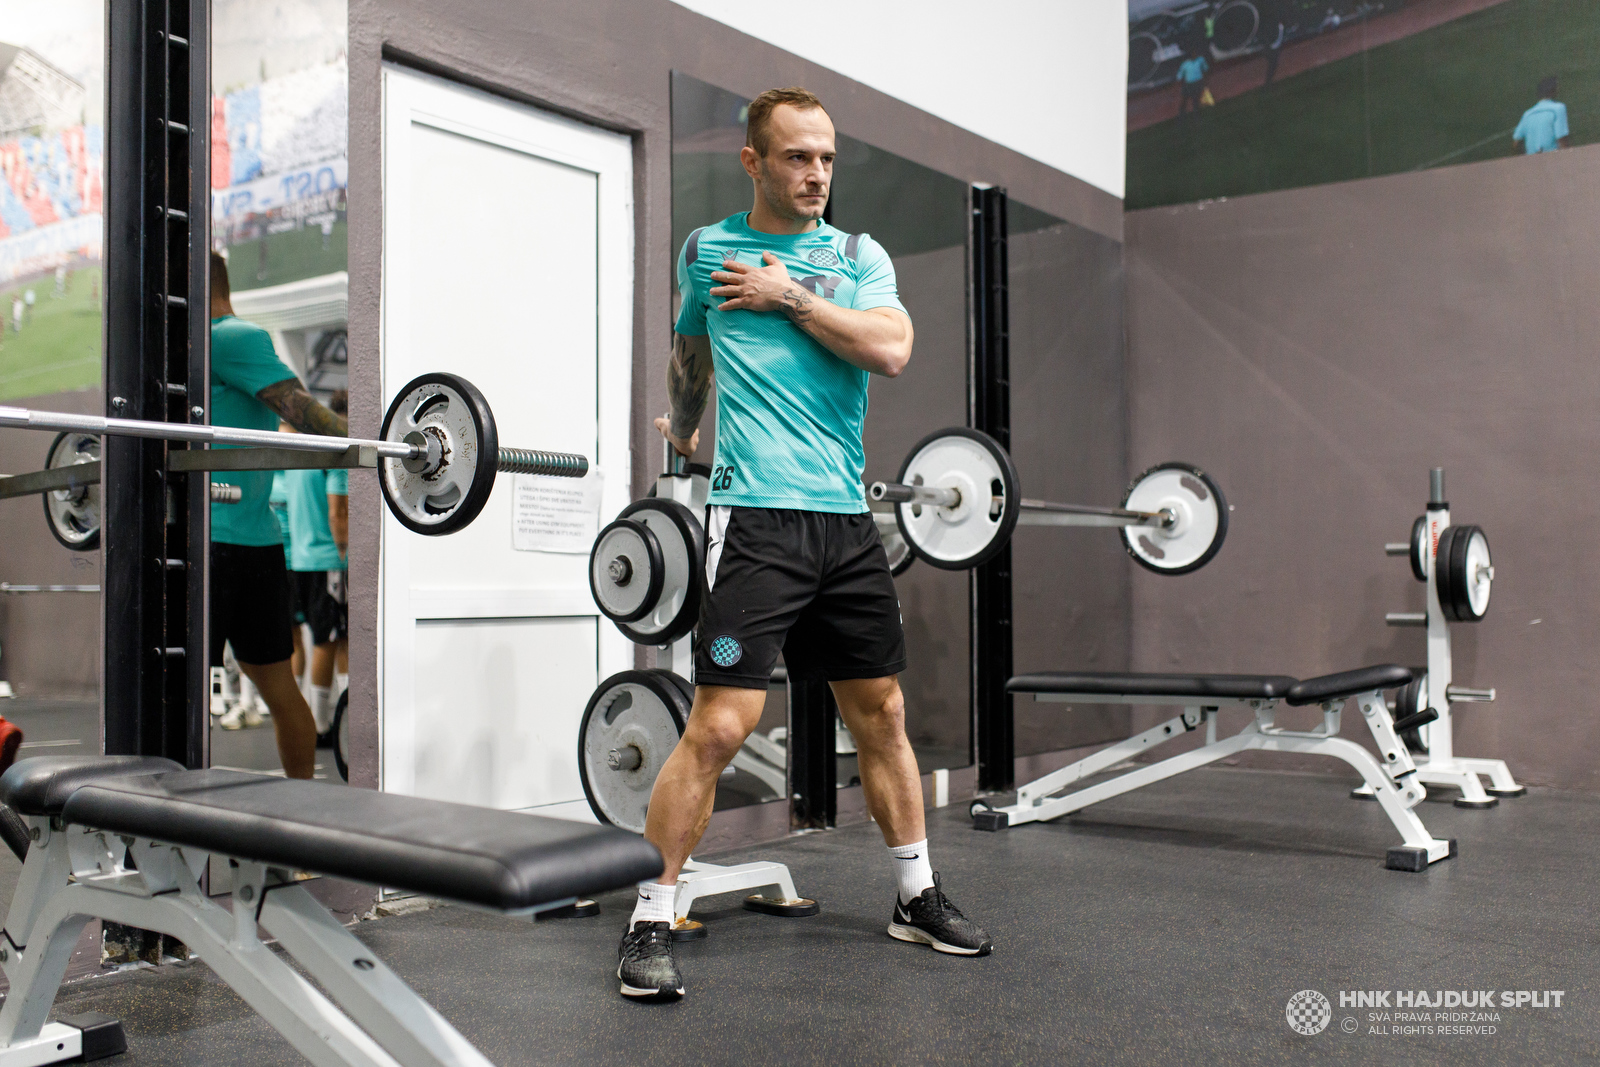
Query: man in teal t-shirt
[
  {"x": 1543, "y": 127},
  {"x": 252, "y": 388},
  {"x": 1192, "y": 81},
  {"x": 791, "y": 317},
  {"x": 319, "y": 526}
]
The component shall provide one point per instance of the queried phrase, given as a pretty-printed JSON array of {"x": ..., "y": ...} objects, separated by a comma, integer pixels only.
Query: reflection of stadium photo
[{"x": 1162, "y": 32}]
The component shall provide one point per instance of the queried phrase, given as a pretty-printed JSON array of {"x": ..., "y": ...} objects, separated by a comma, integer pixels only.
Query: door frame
[{"x": 410, "y": 96}]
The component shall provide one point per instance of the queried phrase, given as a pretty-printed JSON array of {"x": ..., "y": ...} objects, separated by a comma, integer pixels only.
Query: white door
[{"x": 508, "y": 259}]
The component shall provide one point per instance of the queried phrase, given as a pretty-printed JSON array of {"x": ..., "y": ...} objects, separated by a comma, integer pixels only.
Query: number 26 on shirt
[{"x": 722, "y": 477}]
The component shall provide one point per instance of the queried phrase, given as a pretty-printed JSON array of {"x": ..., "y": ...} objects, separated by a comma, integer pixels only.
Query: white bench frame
[
  {"x": 1394, "y": 783},
  {"x": 75, "y": 874}
]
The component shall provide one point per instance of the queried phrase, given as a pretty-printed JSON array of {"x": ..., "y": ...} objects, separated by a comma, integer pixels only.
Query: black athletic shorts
[
  {"x": 250, "y": 603},
  {"x": 315, "y": 606},
  {"x": 813, "y": 585}
]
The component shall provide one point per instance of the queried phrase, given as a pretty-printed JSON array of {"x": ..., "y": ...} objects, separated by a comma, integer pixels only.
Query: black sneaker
[
  {"x": 645, "y": 964},
  {"x": 932, "y": 920}
]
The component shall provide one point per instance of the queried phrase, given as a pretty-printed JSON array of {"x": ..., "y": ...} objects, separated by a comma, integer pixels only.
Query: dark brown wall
[
  {"x": 49, "y": 642},
  {"x": 1318, "y": 351},
  {"x": 606, "y": 63}
]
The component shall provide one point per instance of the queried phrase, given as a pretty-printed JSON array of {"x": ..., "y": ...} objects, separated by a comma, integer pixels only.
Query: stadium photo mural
[{"x": 1232, "y": 97}]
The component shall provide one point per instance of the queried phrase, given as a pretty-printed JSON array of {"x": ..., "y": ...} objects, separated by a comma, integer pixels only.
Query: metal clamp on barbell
[{"x": 957, "y": 502}]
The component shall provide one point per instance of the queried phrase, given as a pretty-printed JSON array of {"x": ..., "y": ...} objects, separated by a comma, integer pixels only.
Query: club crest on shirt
[
  {"x": 823, "y": 257},
  {"x": 726, "y": 651}
]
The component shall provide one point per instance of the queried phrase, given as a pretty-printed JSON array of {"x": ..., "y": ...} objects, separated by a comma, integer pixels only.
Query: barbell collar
[{"x": 932, "y": 496}]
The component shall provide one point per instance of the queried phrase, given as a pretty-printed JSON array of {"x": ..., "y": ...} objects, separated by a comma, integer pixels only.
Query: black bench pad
[
  {"x": 495, "y": 859},
  {"x": 1348, "y": 684},
  {"x": 1222, "y": 686},
  {"x": 40, "y": 786}
]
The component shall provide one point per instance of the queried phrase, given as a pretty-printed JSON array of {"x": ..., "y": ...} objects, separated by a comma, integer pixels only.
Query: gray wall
[
  {"x": 50, "y": 642},
  {"x": 1318, "y": 350},
  {"x": 606, "y": 63},
  {"x": 1070, "y": 592}
]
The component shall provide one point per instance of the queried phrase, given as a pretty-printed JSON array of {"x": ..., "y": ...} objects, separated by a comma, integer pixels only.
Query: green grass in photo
[
  {"x": 290, "y": 256},
  {"x": 1444, "y": 96},
  {"x": 58, "y": 348}
]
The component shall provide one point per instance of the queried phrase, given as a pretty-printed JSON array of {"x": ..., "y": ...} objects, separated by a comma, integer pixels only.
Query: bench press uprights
[
  {"x": 1394, "y": 783},
  {"x": 74, "y": 874}
]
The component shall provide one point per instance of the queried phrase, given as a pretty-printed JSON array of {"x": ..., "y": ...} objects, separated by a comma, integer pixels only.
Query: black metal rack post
[
  {"x": 155, "y": 525},
  {"x": 989, "y": 410},
  {"x": 813, "y": 772}
]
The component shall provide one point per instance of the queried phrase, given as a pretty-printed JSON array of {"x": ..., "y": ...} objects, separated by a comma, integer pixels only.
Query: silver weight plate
[
  {"x": 1419, "y": 548},
  {"x": 970, "y": 533},
  {"x": 445, "y": 492},
  {"x": 74, "y": 514},
  {"x": 1197, "y": 525},
  {"x": 683, "y": 553},
  {"x": 1479, "y": 574},
  {"x": 631, "y": 726},
  {"x": 1465, "y": 573},
  {"x": 626, "y": 571}
]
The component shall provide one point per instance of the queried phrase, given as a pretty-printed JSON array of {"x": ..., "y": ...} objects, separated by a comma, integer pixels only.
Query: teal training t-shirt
[
  {"x": 243, "y": 363},
  {"x": 278, "y": 500},
  {"x": 311, "y": 546},
  {"x": 1542, "y": 127},
  {"x": 789, "y": 412}
]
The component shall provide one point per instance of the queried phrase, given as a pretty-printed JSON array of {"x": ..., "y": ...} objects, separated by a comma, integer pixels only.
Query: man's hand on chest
[{"x": 764, "y": 288}]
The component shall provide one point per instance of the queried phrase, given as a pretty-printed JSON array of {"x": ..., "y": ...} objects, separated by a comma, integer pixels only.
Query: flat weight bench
[
  {"x": 1202, "y": 696},
  {"x": 126, "y": 838}
]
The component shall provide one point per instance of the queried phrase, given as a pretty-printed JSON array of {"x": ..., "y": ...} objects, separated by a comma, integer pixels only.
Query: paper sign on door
[{"x": 556, "y": 514}]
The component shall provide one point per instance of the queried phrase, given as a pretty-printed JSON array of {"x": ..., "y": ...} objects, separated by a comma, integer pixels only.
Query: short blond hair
[{"x": 758, "y": 116}]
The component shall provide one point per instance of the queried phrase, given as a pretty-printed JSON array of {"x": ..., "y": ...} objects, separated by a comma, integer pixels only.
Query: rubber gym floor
[{"x": 1170, "y": 926}]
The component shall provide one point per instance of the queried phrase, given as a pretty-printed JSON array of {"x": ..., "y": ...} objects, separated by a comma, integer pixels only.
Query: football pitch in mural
[{"x": 1230, "y": 97}]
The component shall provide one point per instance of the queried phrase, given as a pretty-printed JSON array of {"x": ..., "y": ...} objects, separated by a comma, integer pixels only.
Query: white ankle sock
[
  {"x": 911, "y": 869},
  {"x": 655, "y": 904},
  {"x": 322, "y": 707}
]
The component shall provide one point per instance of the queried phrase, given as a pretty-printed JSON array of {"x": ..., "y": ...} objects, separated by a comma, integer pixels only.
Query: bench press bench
[
  {"x": 126, "y": 838},
  {"x": 1201, "y": 697}
]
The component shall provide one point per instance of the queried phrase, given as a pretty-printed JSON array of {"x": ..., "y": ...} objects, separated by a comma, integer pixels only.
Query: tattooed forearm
[
  {"x": 797, "y": 305},
  {"x": 300, "y": 409},
  {"x": 688, "y": 383}
]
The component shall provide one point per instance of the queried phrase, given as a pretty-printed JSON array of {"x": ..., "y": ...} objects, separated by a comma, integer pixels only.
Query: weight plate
[
  {"x": 969, "y": 534},
  {"x": 683, "y": 560},
  {"x": 1199, "y": 518},
  {"x": 899, "y": 552},
  {"x": 450, "y": 414},
  {"x": 341, "y": 736},
  {"x": 638, "y": 716},
  {"x": 626, "y": 571},
  {"x": 1419, "y": 548},
  {"x": 1466, "y": 573},
  {"x": 73, "y": 515},
  {"x": 1412, "y": 698}
]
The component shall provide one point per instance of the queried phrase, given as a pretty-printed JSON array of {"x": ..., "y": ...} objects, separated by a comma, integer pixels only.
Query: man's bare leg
[
  {"x": 292, "y": 724},
  {"x": 875, "y": 713},
  {"x": 680, "y": 804},
  {"x": 297, "y": 658}
]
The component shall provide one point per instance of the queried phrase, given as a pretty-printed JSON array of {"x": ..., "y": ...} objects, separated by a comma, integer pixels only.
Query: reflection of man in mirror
[
  {"x": 1192, "y": 81},
  {"x": 1544, "y": 125}
]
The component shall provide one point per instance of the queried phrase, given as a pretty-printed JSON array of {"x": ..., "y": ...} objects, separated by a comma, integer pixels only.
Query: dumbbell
[
  {"x": 957, "y": 501},
  {"x": 438, "y": 456}
]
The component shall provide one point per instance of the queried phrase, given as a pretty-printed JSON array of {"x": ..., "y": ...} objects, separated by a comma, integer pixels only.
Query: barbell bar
[
  {"x": 438, "y": 438},
  {"x": 957, "y": 501}
]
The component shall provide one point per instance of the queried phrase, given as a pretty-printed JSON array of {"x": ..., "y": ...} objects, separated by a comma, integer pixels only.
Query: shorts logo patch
[
  {"x": 725, "y": 651},
  {"x": 823, "y": 257}
]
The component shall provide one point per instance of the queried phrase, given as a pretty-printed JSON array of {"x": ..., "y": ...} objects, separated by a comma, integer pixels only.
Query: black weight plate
[
  {"x": 475, "y": 444},
  {"x": 341, "y": 736},
  {"x": 1462, "y": 567},
  {"x": 1412, "y": 698},
  {"x": 1188, "y": 475},
  {"x": 667, "y": 518},
  {"x": 624, "y": 800},
  {"x": 1010, "y": 489},
  {"x": 73, "y": 515},
  {"x": 1419, "y": 548},
  {"x": 646, "y": 573}
]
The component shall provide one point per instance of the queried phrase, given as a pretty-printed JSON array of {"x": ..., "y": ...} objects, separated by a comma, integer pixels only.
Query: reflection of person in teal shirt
[
  {"x": 1192, "y": 81},
  {"x": 1544, "y": 125},
  {"x": 252, "y": 388},
  {"x": 319, "y": 523}
]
